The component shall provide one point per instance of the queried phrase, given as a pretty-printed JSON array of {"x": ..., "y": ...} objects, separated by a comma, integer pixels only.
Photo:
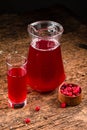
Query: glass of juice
[
  {"x": 45, "y": 70},
  {"x": 16, "y": 78}
]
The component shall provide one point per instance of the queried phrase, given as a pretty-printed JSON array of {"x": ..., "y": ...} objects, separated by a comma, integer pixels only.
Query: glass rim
[
  {"x": 10, "y": 55},
  {"x": 45, "y": 21}
]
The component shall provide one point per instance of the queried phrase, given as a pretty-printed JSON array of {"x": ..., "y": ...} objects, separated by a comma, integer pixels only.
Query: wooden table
[{"x": 14, "y": 37}]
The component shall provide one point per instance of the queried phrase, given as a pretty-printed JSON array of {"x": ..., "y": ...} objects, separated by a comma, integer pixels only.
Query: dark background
[{"x": 77, "y": 7}]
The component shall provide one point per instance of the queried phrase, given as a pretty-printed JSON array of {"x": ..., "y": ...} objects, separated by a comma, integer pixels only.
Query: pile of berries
[{"x": 70, "y": 90}]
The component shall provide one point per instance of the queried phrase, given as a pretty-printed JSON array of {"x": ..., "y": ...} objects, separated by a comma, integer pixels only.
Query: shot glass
[{"x": 16, "y": 80}]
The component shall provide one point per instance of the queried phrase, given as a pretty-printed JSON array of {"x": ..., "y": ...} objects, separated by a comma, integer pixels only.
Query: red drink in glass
[
  {"x": 16, "y": 77},
  {"x": 45, "y": 67},
  {"x": 17, "y": 85}
]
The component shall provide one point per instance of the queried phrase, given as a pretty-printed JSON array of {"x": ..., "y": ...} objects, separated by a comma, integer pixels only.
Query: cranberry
[
  {"x": 76, "y": 90},
  {"x": 37, "y": 108},
  {"x": 70, "y": 85},
  {"x": 69, "y": 89},
  {"x": 70, "y": 94},
  {"x": 63, "y": 105},
  {"x": 27, "y": 120}
]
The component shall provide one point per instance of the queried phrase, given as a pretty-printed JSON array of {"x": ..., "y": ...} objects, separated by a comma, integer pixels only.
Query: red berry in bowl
[{"x": 69, "y": 89}]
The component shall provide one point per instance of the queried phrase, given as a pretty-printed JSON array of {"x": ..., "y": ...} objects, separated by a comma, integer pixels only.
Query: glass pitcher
[{"x": 45, "y": 67}]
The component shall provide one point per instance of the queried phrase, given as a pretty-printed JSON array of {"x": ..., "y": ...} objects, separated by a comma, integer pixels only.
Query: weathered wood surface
[{"x": 14, "y": 37}]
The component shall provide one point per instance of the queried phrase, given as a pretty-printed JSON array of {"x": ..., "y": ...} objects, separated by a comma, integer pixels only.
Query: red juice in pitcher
[
  {"x": 17, "y": 85},
  {"x": 45, "y": 67}
]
